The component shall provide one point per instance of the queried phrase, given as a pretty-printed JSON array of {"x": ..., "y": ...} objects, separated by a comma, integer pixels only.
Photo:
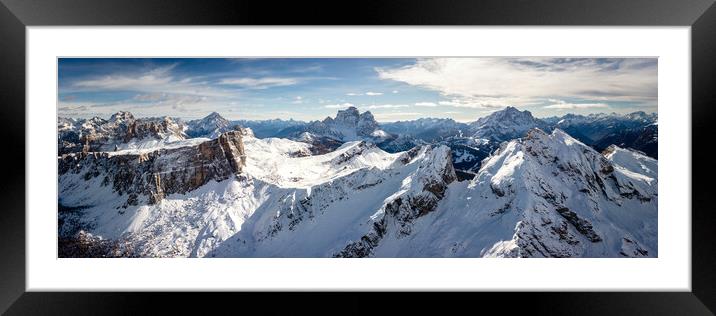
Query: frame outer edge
[
  {"x": 12, "y": 186},
  {"x": 703, "y": 72},
  {"x": 12, "y": 114},
  {"x": 395, "y": 12}
]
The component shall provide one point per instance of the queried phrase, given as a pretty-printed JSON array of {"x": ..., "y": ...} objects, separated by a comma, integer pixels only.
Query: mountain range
[{"x": 505, "y": 185}]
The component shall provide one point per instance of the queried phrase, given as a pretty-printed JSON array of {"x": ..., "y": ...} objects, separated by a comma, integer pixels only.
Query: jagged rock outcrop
[
  {"x": 421, "y": 196},
  {"x": 121, "y": 130},
  {"x": 155, "y": 174},
  {"x": 348, "y": 125}
]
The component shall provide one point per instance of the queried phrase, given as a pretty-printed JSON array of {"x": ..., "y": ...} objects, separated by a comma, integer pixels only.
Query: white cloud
[
  {"x": 156, "y": 77},
  {"x": 426, "y": 104},
  {"x": 260, "y": 83},
  {"x": 153, "y": 82},
  {"x": 574, "y": 106},
  {"x": 338, "y": 106},
  {"x": 366, "y": 107},
  {"x": 485, "y": 102},
  {"x": 369, "y": 93},
  {"x": 386, "y": 106},
  {"x": 395, "y": 91},
  {"x": 484, "y": 82},
  {"x": 151, "y": 97}
]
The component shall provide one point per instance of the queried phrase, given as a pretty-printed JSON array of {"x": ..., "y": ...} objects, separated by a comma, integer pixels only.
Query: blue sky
[{"x": 391, "y": 88}]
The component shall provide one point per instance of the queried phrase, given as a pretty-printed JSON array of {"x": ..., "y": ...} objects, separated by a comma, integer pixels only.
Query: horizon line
[{"x": 368, "y": 111}]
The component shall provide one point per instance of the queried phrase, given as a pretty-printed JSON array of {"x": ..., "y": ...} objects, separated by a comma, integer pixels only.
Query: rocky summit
[{"x": 121, "y": 131}]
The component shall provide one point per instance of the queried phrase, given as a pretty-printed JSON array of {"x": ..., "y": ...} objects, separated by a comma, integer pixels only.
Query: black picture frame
[{"x": 15, "y": 15}]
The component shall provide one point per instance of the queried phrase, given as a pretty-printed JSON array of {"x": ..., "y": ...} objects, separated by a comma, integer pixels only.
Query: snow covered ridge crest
[
  {"x": 420, "y": 194},
  {"x": 348, "y": 215},
  {"x": 568, "y": 200}
]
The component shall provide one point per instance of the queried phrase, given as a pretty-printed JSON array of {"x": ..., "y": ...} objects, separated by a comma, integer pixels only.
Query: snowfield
[
  {"x": 286, "y": 163},
  {"x": 543, "y": 195}
]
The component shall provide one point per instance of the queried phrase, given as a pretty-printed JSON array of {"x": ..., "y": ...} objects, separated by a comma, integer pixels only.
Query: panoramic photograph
[{"x": 469, "y": 157}]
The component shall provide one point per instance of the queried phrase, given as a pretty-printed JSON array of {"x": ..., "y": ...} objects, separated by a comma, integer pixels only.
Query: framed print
[{"x": 509, "y": 147}]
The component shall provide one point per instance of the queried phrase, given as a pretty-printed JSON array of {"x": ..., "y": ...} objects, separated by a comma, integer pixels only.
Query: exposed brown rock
[{"x": 164, "y": 171}]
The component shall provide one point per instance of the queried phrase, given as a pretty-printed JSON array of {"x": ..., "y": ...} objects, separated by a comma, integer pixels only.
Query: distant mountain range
[
  {"x": 506, "y": 185},
  {"x": 470, "y": 142}
]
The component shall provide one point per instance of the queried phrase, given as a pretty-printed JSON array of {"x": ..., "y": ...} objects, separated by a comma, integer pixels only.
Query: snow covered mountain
[
  {"x": 470, "y": 143},
  {"x": 506, "y": 124},
  {"x": 210, "y": 126},
  {"x": 637, "y": 130},
  {"x": 544, "y": 195},
  {"x": 427, "y": 129},
  {"x": 121, "y": 131},
  {"x": 348, "y": 125},
  {"x": 550, "y": 196},
  {"x": 208, "y": 195}
]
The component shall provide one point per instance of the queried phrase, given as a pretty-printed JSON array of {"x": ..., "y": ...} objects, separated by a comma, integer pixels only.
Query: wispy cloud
[
  {"x": 385, "y": 106},
  {"x": 562, "y": 105},
  {"x": 486, "y": 102},
  {"x": 155, "y": 77},
  {"x": 484, "y": 82},
  {"x": 426, "y": 104},
  {"x": 338, "y": 106},
  {"x": 259, "y": 83},
  {"x": 152, "y": 81},
  {"x": 369, "y": 93}
]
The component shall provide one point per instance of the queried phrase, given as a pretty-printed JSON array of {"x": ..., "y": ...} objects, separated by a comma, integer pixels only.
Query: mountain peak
[
  {"x": 506, "y": 124},
  {"x": 510, "y": 113},
  {"x": 121, "y": 116},
  {"x": 536, "y": 132},
  {"x": 510, "y": 108},
  {"x": 349, "y": 116},
  {"x": 638, "y": 115},
  {"x": 214, "y": 116},
  {"x": 348, "y": 125},
  {"x": 366, "y": 116},
  {"x": 210, "y": 126}
]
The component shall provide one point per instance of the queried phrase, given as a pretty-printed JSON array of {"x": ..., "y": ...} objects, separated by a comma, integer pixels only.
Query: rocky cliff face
[
  {"x": 97, "y": 134},
  {"x": 348, "y": 125},
  {"x": 151, "y": 176}
]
